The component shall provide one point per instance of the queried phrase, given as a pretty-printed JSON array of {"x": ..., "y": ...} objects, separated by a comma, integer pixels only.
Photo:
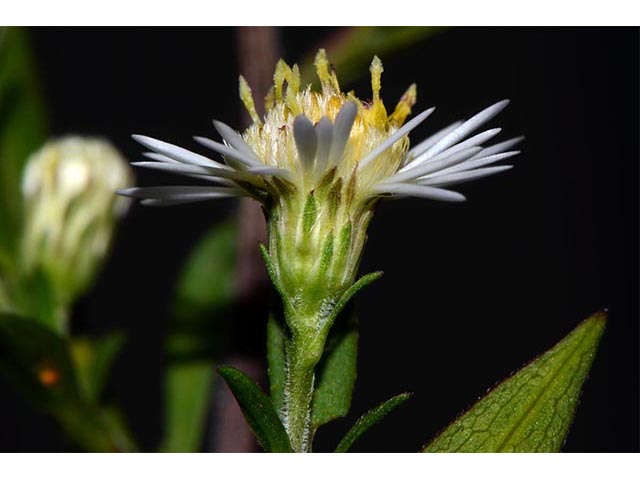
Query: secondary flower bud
[{"x": 70, "y": 210}]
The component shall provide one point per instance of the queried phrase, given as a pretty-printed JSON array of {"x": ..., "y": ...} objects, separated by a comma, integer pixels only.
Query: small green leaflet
[
  {"x": 93, "y": 359},
  {"x": 276, "y": 357},
  {"x": 336, "y": 374},
  {"x": 197, "y": 334},
  {"x": 532, "y": 410},
  {"x": 258, "y": 411},
  {"x": 203, "y": 292},
  {"x": 369, "y": 419},
  {"x": 38, "y": 362},
  {"x": 187, "y": 392}
]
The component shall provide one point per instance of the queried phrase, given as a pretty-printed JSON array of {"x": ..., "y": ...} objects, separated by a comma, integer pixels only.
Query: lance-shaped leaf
[
  {"x": 93, "y": 359},
  {"x": 336, "y": 373},
  {"x": 197, "y": 332},
  {"x": 204, "y": 292},
  {"x": 276, "y": 358},
  {"x": 369, "y": 419},
  {"x": 22, "y": 129},
  {"x": 258, "y": 411},
  {"x": 38, "y": 362},
  {"x": 188, "y": 387},
  {"x": 533, "y": 410}
]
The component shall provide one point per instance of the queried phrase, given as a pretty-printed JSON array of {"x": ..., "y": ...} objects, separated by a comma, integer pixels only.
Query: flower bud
[{"x": 70, "y": 210}]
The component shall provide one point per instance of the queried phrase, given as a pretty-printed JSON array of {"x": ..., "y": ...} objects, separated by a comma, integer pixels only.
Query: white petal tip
[
  {"x": 426, "y": 113},
  {"x": 127, "y": 192}
]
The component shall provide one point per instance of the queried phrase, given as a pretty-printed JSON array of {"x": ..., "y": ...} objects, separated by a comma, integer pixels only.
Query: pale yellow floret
[
  {"x": 327, "y": 77},
  {"x": 247, "y": 99},
  {"x": 273, "y": 139},
  {"x": 403, "y": 108}
]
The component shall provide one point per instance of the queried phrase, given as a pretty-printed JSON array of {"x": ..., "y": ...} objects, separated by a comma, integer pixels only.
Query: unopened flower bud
[{"x": 70, "y": 210}]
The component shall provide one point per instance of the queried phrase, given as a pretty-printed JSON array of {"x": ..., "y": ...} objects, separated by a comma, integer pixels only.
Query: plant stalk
[{"x": 298, "y": 395}]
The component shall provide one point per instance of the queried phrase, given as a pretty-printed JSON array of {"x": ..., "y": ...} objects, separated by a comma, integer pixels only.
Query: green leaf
[
  {"x": 22, "y": 129},
  {"x": 532, "y": 410},
  {"x": 257, "y": 410},
  {"x": 188, "y": 389},
  {"x": 94, "y": 430},
  {"x": 369, "y": 419},
  {"x": 35, "y": 297},
  {"x": 271, "y": 271},
  {"x": 361, "y": 283},
  {"x": 118, "y": 430},
  {"x": 204, "y": 291},
  {"x": 336, "y": 373},
  {"x": 276, "y": 358},
  {"x": 38, "y": 362},
  {"x": 197, "y": 333},
  {"x": 93, "y": 359}
]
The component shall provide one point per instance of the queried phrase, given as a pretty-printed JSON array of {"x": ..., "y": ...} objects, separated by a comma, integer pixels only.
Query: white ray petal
[
  {"x": 273, "y": 171},
  {"x": 466, "y": 128},
  {"x": 179, "y": 192},
  {"x": 430, "y": 167},
  {"x": 232, "y": 153},
  {"x": 191, "y": 198},
  {"x": 460, "y": 177},
  {"x": 470, "y": 142},
  {"x": 177, "y": 153},
  {"x": 181, "y": 168},
  {"x": 306, "y": 141},
  {"x": 431, "y": 140},
  {"x": 475, "y": 162},
  {"x": 161, "y": 158},
  {"x": 413, "y": 190},
  {"x": 233, "y": 138},
  {"x": 397, "y": 135},
  {"x": 341, "y": 131},
  {"x": 166, "y": 161},
  {"x": 324, "y": 132},
  {"x": 499, "y": 147}
]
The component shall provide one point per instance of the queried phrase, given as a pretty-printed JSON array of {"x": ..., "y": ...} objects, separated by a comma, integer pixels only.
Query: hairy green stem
[
  {"x": 298, "y": 395},
  {"x": 304, "y": 351}
]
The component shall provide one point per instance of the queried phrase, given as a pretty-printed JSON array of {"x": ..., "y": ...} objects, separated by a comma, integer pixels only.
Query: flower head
[
  {"x": 318, "y": 161},
  {"x": 70, "y": 210},
  {"x": 308, "y": 139}
]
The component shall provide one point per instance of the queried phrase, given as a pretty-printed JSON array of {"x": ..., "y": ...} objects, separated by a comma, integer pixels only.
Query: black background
[{"x": 471, "y": 291}]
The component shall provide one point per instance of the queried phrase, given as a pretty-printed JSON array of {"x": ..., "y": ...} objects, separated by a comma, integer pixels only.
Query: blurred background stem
[{"x": 258, "y": 49}]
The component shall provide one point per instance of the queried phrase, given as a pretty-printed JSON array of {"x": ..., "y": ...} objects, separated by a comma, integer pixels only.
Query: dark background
[{"x": 471, "y": 291}]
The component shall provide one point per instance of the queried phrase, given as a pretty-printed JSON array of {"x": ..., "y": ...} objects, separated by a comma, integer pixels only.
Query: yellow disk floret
[{"x": 273, "y": 141}]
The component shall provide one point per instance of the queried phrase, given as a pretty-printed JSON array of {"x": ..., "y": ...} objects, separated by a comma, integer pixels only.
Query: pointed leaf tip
[
  {"x": 258, "y": 411},
  {"x": 369, "y": 419},
  {"x": 336, "y": 373},
  {"x": 532, "y": 410}
]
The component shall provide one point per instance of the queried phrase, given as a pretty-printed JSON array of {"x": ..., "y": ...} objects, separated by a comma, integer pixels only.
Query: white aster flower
[
  {"x": 318, "y": 162},
  {"x": 307, "y": 135}
]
